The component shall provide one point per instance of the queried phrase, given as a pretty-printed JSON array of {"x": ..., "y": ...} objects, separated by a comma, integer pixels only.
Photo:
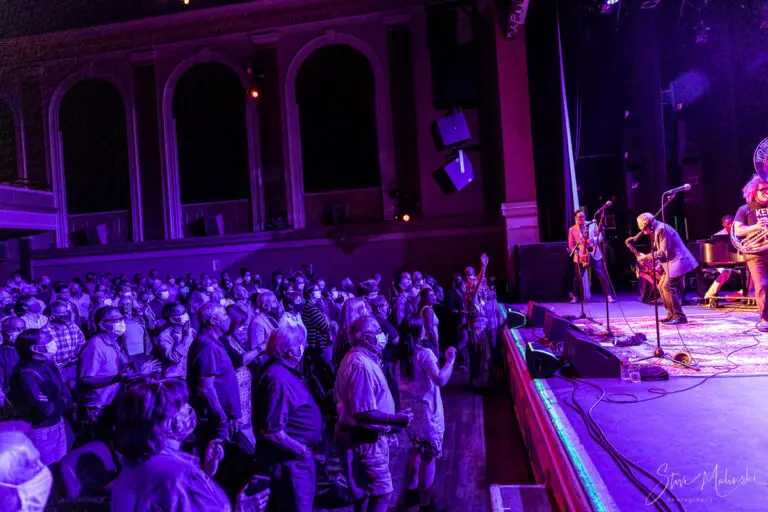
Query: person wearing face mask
[
  {"x": 154, "y": 418},
  {"x": 347, "y": 288},
  {"x": 402, "y": 307},
  {"x": 173, "y": 342},
  {"x": 319, "y": 327},
  {"x": 6, "y": 305},
  {"x": 10, "y": 329},
  {"x": 83, "y": 301},
  {"x": 366, "y": 417},
  {"x": 15, "y": 282},
  {"x": 67, "y": 336},
  {"x": 102, "y": 367},
  {"x": 242, "y": 300},
  {"x": 90, "y": 283},
  {"x": 268, "y": 313},
  {"x": 30, "y": 291},
  {"x": 30, "y": 311},
  {"x": 25, "y": 481},
  {"x": 332, "y": 302},
  {"x": 380, "y": 309},
  {"x": 40, "y": 395},
  {"x": 101, "y": 298},
  {"x": 293, "y": 303},
  {"x": 161, "y": 299},
  {"x": 288, "y": 423},
  {"x": 135, "y": 341},
  {"x": 211, "y": 378}
]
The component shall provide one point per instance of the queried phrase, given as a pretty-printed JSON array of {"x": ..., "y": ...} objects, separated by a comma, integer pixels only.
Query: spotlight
[
  {"x": 185, "y": 2},
  {"x": 608, "y": 6},
  {"x": 254, "y": 93},
  {"x": 406, "y": 217}
]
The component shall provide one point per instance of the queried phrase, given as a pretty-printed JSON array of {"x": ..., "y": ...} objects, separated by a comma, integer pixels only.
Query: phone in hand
[{"x": 257, "y": 485}]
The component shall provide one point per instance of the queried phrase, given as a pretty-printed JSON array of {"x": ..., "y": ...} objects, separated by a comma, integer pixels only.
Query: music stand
[{"x": 658, "y": 352}]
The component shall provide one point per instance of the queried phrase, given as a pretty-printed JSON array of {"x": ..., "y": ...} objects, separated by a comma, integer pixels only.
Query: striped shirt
[{"x": 318, "y": 325}]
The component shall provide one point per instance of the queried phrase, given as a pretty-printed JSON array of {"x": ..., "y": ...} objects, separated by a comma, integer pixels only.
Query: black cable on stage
[{"x": 625, "y": 465}]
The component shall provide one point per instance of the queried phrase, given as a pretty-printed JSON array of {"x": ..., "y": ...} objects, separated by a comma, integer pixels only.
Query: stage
[{"x": 703, "y": 434}]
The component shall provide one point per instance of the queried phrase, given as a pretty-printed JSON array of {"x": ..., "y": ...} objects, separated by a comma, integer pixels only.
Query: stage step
[{"x": 520, "y": 498}]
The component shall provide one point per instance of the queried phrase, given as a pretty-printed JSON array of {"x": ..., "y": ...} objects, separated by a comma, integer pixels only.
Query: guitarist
[
  {"x": 676, "y": 260},
  {"x": 580, "y": 236}
]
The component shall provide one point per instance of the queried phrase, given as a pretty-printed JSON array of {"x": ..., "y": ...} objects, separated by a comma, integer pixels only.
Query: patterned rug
[{"x": 719, "y": 343}]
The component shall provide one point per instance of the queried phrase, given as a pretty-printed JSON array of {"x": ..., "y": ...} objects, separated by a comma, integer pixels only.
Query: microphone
[
  {"x": 681, "y": 188},
  {"x": 606, "y": 205}
]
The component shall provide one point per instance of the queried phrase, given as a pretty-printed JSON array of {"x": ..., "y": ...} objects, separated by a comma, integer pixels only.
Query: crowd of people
[{"x": 234, "y": 393}]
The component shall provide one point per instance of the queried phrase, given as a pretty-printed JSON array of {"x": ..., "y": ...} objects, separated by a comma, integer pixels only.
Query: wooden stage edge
[{"x": 558, "y": 459}]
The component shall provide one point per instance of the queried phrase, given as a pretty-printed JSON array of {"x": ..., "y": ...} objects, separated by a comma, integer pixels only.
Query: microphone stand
[
  {"x": 658, "y": 352},
  {"x": 608, "y": 333}
]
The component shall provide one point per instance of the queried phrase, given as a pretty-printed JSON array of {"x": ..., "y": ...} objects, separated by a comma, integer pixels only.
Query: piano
[{"x": 718, "y": 251}]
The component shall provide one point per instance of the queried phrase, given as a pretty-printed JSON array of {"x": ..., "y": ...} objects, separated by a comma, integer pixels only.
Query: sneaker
[
  {"x": 667, "y": 320},
  {"x": 678, "y": 321},
  {"x": 762, "y": 326}
]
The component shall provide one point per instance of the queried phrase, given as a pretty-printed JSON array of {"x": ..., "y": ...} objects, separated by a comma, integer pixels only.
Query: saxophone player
[
  {"x": 584, "y": 242},
  {"x": 750, "y": 218},
  {"x": 676, "y": 260}
]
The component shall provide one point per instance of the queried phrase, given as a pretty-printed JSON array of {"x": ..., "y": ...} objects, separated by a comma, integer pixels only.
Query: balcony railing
[
  {"x": 343, "y": 207},
  {"x": 218, "y": 218},
  {"x": 102, "y": 228}
]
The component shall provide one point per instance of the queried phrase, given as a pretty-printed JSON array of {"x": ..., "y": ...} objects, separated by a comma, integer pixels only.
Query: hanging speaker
[
  {"x": 451, "y": 130},
  {"x": 456, "y": 175}
]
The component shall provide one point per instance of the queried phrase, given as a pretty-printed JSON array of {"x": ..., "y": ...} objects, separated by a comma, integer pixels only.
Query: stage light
[
  {"x": 254, "y": 93},
  {"x": 185, "y": 2},
  {"x": 406, "y": 217},
  {"x": 608, "y": 6}
]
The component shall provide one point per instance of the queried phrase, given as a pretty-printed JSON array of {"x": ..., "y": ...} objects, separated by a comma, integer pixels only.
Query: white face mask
[
  {"x": 107, "y": 302},
  {"x": 164, "y": 295},
  {"x": 223, "y": 302},
  {"x": 33, "y": 494},
  {"x": 183, "y": 319},
  {"x": 317, "y": 294},
  {"x": 119, "y": 328},
  {"x": 381, "y": 341},
  {"x": 209, "y": 289}
]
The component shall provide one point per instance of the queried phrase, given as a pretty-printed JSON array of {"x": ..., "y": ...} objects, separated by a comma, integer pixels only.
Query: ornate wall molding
[
  {"x": 295, "y": 175},
  {"x": 56, "y": 149},
  {"x": 171, "y": 174}
]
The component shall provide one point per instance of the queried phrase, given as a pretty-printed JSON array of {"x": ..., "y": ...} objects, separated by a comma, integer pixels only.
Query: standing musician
[
  {"x": 677, "y": 262},
  {"x": 584, "y": 242},
  {"x": 750, "y": 219}
]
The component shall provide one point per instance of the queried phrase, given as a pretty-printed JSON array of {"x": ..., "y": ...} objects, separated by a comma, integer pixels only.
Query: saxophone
[
  {"x": 584, "y": 247},
  {"x": 643, "y": 266}
]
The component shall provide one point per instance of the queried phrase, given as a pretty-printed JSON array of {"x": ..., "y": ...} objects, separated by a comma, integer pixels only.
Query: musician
[
  {"x": 724, "y": 274},
  {"x": 583, "y": 235},
  {"x": 676, "y": 260},
  {"x": 750, "y": 218}
]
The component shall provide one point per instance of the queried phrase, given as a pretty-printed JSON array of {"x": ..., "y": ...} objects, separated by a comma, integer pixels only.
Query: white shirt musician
[
  {"x": 585, "y": 242},
  {"x": 750, "y": 219}
]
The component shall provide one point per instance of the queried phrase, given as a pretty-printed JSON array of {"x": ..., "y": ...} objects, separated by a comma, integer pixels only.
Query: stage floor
[{"x": 705, "y": 437}]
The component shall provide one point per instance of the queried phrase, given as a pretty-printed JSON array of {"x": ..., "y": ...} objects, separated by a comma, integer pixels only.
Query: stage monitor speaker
[
  {"x": 555, "y": 327},
  {"x": 587, "y": 359},
  {"x": 535, "y": 315},
  {"x": 543, "y": 272},
  {"x": 541, "y": 361},
  {"x": 451, "y": 130},
  {"x": 456, "y": 175}
]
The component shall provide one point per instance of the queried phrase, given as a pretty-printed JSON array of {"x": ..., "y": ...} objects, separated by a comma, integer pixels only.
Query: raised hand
[
  {"x": 484, "y": 259},
  {"x": 450, "y": 354},
  {"x": 151, "y": 366}
]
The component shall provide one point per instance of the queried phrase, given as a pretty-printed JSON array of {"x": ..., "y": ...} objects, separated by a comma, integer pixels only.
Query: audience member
[
  {"x": 25, "y": 480},
  {"x": 174, "y": 341}
]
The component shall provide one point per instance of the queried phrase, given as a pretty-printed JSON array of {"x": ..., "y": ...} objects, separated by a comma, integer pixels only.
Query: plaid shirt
[{"x": 69, "y": 341}]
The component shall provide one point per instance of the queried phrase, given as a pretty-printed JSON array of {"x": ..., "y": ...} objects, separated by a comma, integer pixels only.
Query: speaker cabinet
[
  {"x": 587, "y": 359},
  {"x": 451, "y": 130},
  {"x": 556, "y": 327},
  {"x": 456, "y": 175},
  {"x": 543, "y": 272},
  {"x": 541, "y": 361}
]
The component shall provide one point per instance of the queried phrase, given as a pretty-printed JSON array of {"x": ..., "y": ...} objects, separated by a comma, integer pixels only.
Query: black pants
[
  {"x": 758, "y": 270},
  {"x": 671, "y": 291},
  {"x": 598, "y": 268}
]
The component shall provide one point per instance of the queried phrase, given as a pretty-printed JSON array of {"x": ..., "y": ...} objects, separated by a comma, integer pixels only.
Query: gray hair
[
  {"x": 262, "y": 298},
  {"x": 645, "y": 218},
  {"x": 284, "y": 338},
  {"x": 19, "y": 459},
  {"x": 363, "y": 325}
]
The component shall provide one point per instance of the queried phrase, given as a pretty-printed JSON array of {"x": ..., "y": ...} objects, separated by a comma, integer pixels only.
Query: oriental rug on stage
[{"x": 726, "y": 344}]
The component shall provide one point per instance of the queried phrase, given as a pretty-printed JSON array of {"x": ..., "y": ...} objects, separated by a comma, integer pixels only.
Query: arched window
[
  {"x": 9, "y": 168},
  {"x": 95, "y": 148},
  {"x": 211, "y": 132},
  {"x": 335, "y": 98}
]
